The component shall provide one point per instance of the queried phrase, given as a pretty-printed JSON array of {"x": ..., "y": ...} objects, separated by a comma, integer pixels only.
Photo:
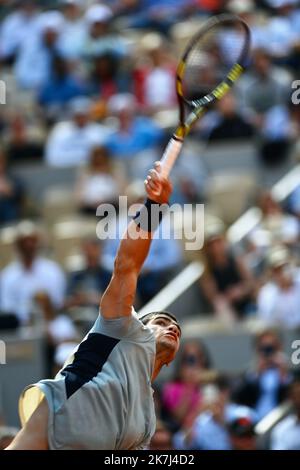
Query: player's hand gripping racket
[{"x": 213, "y": 60}]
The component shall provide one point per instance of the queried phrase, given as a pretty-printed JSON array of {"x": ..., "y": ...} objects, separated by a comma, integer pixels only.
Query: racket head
[{"x": 212, "y": 62}]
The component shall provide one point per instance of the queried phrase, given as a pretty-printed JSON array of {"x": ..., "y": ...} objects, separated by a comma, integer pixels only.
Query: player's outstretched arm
[{"x": 118, "y": 299}]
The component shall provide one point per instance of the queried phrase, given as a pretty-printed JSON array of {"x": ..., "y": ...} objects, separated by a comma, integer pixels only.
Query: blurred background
[{"x": 90, "y": 105}]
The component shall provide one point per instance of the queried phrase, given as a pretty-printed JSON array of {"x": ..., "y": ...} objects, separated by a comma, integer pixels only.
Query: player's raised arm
[{"x": 118, "y": 299}]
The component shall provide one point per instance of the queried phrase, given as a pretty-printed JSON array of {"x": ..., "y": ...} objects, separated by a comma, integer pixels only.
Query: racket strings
[{"x": 211, "y": 58}]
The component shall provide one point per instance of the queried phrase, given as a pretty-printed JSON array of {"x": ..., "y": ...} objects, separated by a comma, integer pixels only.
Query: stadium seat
[{"x": 230, "y": 194}]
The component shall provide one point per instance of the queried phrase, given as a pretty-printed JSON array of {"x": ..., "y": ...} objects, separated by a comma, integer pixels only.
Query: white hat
[
  {"x": 121, "y": 102},
  {"x": 214, "y": 229},
  {"x": 240, "y": 6},
  {"x": 98, "y": 14},
  {"x": 278, "y": 256},
  {"x": 26, "y": 228},
  {"x": 52, "y": 20}
]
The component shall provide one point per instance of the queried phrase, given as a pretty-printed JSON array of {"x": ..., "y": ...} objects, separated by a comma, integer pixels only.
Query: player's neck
[{"x": 160, "y": 361}]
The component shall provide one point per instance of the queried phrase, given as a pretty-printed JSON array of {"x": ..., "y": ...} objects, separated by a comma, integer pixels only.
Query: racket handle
[{"x": 170, "y": 156}]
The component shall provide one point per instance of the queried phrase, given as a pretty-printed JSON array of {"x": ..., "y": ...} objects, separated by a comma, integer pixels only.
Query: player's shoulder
[{"x": 128, "y": 328}]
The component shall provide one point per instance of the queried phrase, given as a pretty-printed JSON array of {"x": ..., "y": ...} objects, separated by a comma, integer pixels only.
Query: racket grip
[{"x": 170, "y": 156}]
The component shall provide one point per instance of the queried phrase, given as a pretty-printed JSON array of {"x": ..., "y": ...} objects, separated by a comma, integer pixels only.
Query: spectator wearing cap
[
  {"x": 247, "y": 11},
  {"x": 226, "y": 284},
  {"x": 70, "y": 142},
  {"x": 100, "y": 38},
  {"x": 286, "y": 434},
  {"x": 29, "y": 274},
  {"x": 73, "y": 34},
  {"x": 264, "y": 385},
  {"x": 278, "y": 299},
  {"x": 33, "y": 66},
  {"x": 135, "y": 134},
  {"x": 16, "y": 28},
  {"x": 241, "y": 427}
]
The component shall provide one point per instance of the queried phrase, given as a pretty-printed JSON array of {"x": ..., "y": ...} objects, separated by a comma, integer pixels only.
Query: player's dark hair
[{"x": 148, "y": 316}]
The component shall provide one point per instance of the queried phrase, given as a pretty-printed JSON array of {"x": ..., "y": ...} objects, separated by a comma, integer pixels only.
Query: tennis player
[{"x": 103, "y": 398}]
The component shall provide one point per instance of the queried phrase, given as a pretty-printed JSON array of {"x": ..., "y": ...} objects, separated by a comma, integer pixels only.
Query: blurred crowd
[{"x": 90, "y": 93}]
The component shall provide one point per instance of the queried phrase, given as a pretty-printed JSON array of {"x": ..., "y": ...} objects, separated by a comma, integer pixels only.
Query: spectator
[
  {"x": 25, "y": 137},
  {"x": 154, "y": 81},
  {"x": 98, "y": 183},
  {"x": 86, "y": 285},
  {"x": 58, "y": 327},
  {"x": 264, "y": 93},
  {"x": 31, "y": 273},
  {"x": 241, "y": 426},
  {"x": 182, "y": 397},
  {"x": 35, "y": 59},
  {"x": 230, "y": 125},
  {"x": 134, "y": 135},
  {"x": 100, "y": 38},
  {"x": 209, "y": 431},
  {"x": 226, "y": 284},
  {"x": 263, "y": 86},
  {"x": 294, "y": 202},
  {"x": 279, "y": 298},
  {"x": 264, "y": 386},
  {"x": 11, "y": 194},
  {"x": 73, "y": 35},
  {"x": 283, "y": 228},
  {"x": 282, "y": 29},
  {"x": 70, "y": 142},
  {"x": 16, "y": 28},
  {"x": 286, "y": 434},
  {"x": 107, "y": 77},
  {"x": 160, "y": 15},
  {"x": 61, "y": 88}
]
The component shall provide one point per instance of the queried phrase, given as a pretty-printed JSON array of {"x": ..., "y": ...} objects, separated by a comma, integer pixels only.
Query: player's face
[{"x": 167, "y": 334}]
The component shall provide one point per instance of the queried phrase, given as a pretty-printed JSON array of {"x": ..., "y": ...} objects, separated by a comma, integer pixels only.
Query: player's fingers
[
  {"x": 154, "y": 185},
  {"x": 154, "y": 175},
  {"x": 157, "y": 166}
]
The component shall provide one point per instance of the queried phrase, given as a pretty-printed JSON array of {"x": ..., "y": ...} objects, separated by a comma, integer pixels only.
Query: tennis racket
[{"x": 213, "y": 60}]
